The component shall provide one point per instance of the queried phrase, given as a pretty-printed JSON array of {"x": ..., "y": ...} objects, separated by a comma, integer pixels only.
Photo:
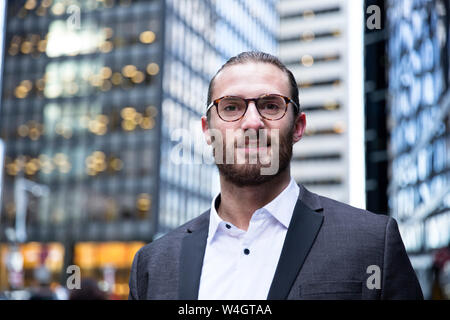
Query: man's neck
[{"x": 238, "y": 203}]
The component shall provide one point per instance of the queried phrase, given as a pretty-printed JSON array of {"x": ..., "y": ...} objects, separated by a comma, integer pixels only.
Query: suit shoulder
[
  {"x": 347, "y": 215},
  {"x": 172, "y": 239}
]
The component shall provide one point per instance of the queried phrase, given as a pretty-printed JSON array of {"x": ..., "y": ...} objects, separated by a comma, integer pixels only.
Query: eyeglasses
[{"x": 269, "y": 106}]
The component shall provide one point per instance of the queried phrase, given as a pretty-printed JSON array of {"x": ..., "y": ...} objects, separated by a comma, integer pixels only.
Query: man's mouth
[{"x": 254, "y": 146}]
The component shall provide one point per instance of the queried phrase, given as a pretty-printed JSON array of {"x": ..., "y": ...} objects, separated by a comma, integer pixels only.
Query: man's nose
[{"x": 252, "y": 119}]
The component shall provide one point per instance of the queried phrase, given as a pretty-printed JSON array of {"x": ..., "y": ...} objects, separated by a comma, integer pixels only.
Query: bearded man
[{"x": 265, "y": 236}]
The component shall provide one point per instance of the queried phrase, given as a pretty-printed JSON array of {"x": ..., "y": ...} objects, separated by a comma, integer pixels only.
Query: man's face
[{"x": 259, "y": 141}]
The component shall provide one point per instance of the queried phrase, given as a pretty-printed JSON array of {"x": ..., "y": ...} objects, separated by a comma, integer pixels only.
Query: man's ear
[
  {"x": 205, "y": 129},
  {"x": 299, "y": 127}
]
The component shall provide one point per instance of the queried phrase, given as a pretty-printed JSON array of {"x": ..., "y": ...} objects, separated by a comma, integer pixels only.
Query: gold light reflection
[
  {"x": 143, "y": 202},
  {"x": 32, "y": 129},
  {"x": 151, "y": 111},
  {"x": 30, "y": 4},
  {"x": 41, "y": 11},
  {"x": 116, "y": 164},
  {"x": 152, "y": 69},
  {"x": 147, "y": 37},
  {"x": 72, "y": 88},
  {"x": 61, "y": 160},
  {"x": 129, "y": 71},
  {"x": 31, "y": 167},
  {"x": 63, "y": 130},
  {"x": 337, "y": 33},
  {"x": 339, "y": 127},
  {"x": 95, "y": 80},
  {"x": 58, "y": 9},
  {"x": 106, "y": 85},
  {"x": 130, "y": 118},
  {"x": 22, "y": 13},
  {"x": 95, "y": 163},
  {"x": 138, "y": 77},
  {"x": 308, "y": 14},
  {"x": 46, "y": 164},
  {"x": 13, "y": 50},
  {"x": 331, "y": 105},
  {"x": 106, "y": 46},
  {"x": 40, "y": 84},
  {"x": 310, "y": 131},
  {"x": 108, "y": 32},
  {"x": 105, "y": 72},
  {"x": 116, "y": 78},
  {"x": 23, "y": 130},
  {"x": 307, "y": 60},
  {"x": 308, "y": 36},
  {"x": 21, "y": 92},
  {"x": 26, "y": 47},
  {"x": 27, "y": 84},
  {"x": 12, "y": 169},
  {"x": 34, "y": 133},
  {"x": 46, "y": 3},
  {"x": 305, "y": 84},
  {"x": 147, "y": 123},
  {"x": 99, "y": 125}
]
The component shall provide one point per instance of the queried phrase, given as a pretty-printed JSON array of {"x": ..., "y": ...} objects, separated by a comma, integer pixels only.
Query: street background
[{"x": 93, "y": 90}]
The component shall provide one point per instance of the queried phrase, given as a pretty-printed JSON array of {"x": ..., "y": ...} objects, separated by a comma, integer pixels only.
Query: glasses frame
[{"x": 255, "y": 101}]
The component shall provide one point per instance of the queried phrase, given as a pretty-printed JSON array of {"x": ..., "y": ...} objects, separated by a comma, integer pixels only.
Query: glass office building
[
  {"x": 199, "y": 37},
  {"x": 419, "y": 102},
  {"x": 94, "y": 95}
]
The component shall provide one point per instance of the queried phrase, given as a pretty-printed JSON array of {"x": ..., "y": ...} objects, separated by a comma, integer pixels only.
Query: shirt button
[
  {"x": 246, "y": 251},
  {"x": 228, "y": 226}
]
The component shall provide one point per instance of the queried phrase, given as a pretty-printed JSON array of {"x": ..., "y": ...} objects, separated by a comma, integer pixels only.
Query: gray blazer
[{"x": 328, "y": 249}]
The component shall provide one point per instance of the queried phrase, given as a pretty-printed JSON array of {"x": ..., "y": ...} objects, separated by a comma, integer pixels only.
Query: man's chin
[{"x": 244, "y": 174}]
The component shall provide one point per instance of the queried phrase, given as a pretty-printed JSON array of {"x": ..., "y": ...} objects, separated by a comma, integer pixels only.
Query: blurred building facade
[
  {"x": 314, "y": 43},
  {"x": 93, "y": 95},
  {"x": 418, "y": 107}
]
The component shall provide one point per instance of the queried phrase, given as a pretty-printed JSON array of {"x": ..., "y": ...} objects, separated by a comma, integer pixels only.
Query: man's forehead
[
  {"x": 259, "y": 69},
  {"x": 252, "y": 74}
]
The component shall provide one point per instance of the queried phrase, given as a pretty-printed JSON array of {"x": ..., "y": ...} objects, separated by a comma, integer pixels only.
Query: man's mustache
[{"x": 260, "y": 140}]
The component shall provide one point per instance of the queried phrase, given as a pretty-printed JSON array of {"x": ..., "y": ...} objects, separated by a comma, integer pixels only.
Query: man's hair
[{"x": 261, "y": 57}]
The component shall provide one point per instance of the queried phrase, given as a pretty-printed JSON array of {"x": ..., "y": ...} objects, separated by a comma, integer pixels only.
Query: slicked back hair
[{"x": 258, "y": 57}]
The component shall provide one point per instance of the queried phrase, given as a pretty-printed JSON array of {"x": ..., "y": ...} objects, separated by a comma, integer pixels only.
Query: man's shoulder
[
  {"x": 173, "y": 238},
  {"x": 347, "y": 216}
]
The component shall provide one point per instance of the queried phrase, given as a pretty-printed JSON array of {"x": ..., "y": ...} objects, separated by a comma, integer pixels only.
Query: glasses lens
[
  {"x": 231, "y": 108},
  {"x": 272, "y": 106}
]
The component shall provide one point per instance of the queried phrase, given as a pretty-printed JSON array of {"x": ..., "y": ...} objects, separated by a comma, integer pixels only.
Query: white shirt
[{"x": 238, "y": 264}]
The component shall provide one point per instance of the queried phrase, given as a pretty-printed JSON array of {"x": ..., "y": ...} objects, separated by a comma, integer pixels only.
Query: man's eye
[
  {"x": 230, "y": 108},
  {"x": 270, "y": 106}
]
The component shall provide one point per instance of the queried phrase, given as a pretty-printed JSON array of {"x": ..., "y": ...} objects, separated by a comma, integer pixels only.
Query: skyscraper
[{"x": 323, "y": 48}]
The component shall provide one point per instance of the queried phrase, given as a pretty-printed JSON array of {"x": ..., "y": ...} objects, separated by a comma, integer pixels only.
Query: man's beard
[{"x": 248, "y": 174}]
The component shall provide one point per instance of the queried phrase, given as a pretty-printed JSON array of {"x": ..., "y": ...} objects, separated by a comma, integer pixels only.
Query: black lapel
[
  {"x": 302, "y": 231},
  {"x": 191, "y": 262}
]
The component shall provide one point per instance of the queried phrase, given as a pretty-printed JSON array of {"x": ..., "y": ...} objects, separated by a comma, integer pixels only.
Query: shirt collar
[{"x": 281, "y": 208}]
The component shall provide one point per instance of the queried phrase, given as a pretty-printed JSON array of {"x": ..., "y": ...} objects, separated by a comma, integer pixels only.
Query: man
[{"x": 265, "y": 237}]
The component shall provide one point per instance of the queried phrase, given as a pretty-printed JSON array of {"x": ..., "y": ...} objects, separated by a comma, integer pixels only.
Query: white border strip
[{"x": 355, "y": 94}]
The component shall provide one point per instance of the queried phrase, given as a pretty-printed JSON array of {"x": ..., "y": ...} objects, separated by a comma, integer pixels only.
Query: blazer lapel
[
  {"x": 191, "y": 260},
  {"x": 302, "y": 231}
]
